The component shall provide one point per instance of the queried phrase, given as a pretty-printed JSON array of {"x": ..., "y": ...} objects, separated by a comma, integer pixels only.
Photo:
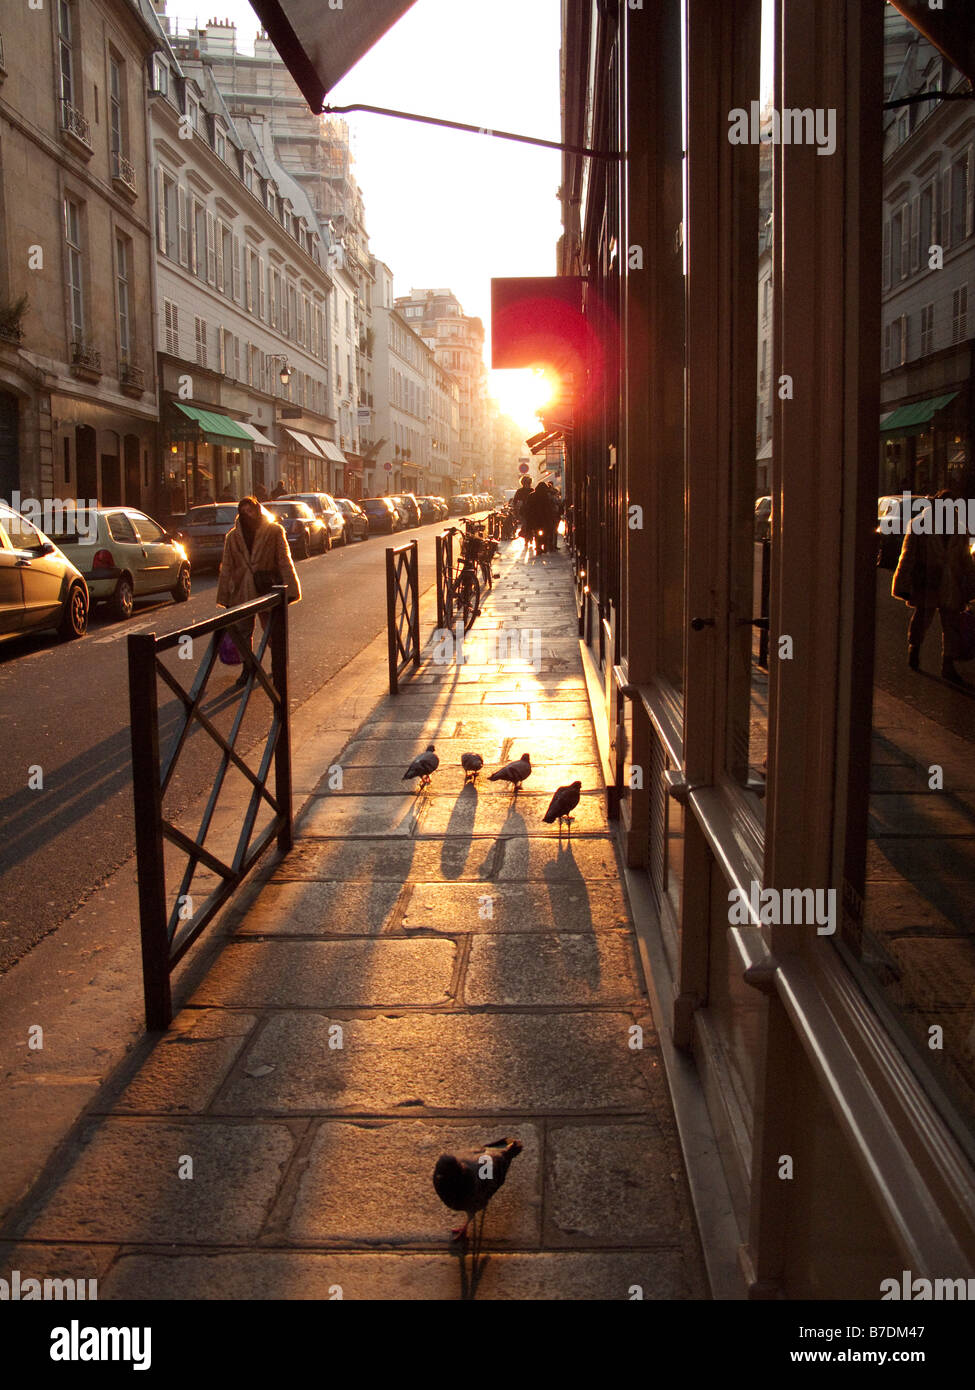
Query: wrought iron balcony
[
  {"x": 86, "y": 361},
  {"x": 132, "y": 379},
  {"x": 123, "y": 171},
  {"x": 73, "y": 123}
]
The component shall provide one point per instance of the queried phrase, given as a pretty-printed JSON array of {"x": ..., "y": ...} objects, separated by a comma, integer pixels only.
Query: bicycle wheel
[{"x": 467, "y": 597}]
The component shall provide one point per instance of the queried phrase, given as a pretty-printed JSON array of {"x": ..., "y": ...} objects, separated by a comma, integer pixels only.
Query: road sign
[
  {"x": 388, "y": 467},
  {"x": 523, "y": 467}
]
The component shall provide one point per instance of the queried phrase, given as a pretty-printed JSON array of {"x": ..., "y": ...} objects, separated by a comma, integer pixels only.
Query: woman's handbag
[{"x": 227, "y": 651}]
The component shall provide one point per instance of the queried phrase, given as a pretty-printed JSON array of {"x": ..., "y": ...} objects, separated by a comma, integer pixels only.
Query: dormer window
[
  {"x": 160, "y": 76},
  {"x": 248, "y": 177}
]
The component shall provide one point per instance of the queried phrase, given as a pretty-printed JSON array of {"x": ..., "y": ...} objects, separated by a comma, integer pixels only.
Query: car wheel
[
  {"x": 182, "y": 590},
  {"x": 74, "y": 619},
  {"x": 120, "y": 604}
]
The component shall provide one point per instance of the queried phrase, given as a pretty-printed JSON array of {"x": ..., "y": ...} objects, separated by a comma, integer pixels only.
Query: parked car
[
  {"x": 326, "y": 508},
  {"x": 381, "y": 515},
  {"x": 763, "y": 518},
  {"x": 354, "y": 519},
  {"x": 429, "y": 511},
  {"x": 461, "y": 504},
  {"x": 130, "y": 557},
  {"x": 307, "y": 533},
  {"x": 442, "y": 506},
  {"x": 39, "y": 586},
  {"x": 202, "y": 532},
  {"x": 892, "y": 523},
  {"x": 408, "y": 505}
]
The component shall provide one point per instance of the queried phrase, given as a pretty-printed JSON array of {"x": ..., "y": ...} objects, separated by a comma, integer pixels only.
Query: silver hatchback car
[{"x": 39, "y": 586}]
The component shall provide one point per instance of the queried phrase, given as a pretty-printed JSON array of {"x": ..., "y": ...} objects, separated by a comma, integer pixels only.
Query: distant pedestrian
[
  {"x": 280, "y": 489},
  {"x": 256, "y": 557},
  {"x": 935, "y": 574},
  {"x": 260, "y": 492},
  {"x": 520, "y": 504}
]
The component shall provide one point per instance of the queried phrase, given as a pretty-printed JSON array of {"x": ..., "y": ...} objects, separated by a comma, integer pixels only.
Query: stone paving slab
[
  {"x": 660, "y": 1274},
  {"x": 369, "y": 860},
  {"x": 321, "y": 909},
  {"x": 364, "y": 781},
  {"x": 366, "y": 974},
  {"x": 527, "y": 1064},
  {"x": 611, "y": 1182},
  {"x": 187, "y": 1065},
  {"x": 124, "y": 1183},
  {"x": 534, "y": 968},
  {"x": 400, "y": 752},
  {"x": 575, "y": 861},
  {"x": 520, "y": 815},
  {"x": 515, "y": 907},
  {"x": 372, "y": 1182},
  {"x": 335, "y": 814}
]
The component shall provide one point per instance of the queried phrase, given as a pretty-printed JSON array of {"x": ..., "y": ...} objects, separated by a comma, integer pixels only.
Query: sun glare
[{"x": 522, "y": 393}]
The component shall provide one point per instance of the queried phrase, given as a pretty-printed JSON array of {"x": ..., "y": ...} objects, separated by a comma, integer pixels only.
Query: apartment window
[
  {"x": 960, "y": 212},
  {"x": 198, "y": 246},
  {"x": 193, "y": 111},
  {"x": 211, "y": 248},
  {"x": 184, "y": 236},
  {"x": 66, "y": 51},
  {"x": 160, "y": 77},
  {"x": 959, "y": 314},
  {"x": 72, "y": 237},
  {"x": 226, "y": 259},
  {"x": 200, "y": 329},
  {"x": 235, "y": 249},
  {"x": 926, "y": 228},
  {"x": 122, "y": 296},
  {"x": 249, "y": 294},
  {"x": 168, "y": 216},
  {"x": 294, "y": 324},
  {"x": 261, "y": 305},
  {"x": 116, "y": 104},
  {"x": 927, "y": 329},
  {"x": 249, "y": 178},
  {"x": 171, "y": 314}
]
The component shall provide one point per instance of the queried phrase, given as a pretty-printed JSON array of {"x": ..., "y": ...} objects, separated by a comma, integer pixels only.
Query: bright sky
[{"x": 445, "y": 208}]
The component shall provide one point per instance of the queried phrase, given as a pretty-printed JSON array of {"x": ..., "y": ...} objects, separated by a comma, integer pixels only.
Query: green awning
[
  {"x": 220, "y": 429},
  {"x": 912, "y": 419}
]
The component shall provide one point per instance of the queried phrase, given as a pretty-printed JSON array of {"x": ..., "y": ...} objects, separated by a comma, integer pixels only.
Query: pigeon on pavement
[
  {"x": 515, "y": 772},
  {"x": 466, "y": 1181},
  {"x": 472, "y": 764},
  {"x": 423, "y": 766},
  {"x": 565, "y": 800}
]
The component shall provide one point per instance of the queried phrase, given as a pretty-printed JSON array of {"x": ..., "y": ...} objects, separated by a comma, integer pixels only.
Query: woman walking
[
  {"x": 256, "y": 557},
  {"x": 935, "y": 574}
]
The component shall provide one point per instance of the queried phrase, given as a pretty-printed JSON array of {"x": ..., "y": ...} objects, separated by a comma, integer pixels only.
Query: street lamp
[{"x": 285, "y": 373}]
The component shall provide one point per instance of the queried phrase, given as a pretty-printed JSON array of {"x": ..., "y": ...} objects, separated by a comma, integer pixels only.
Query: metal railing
[
  {"x": 402, "y": 610},
  {"x": 132, "y": 376},
  {"x": 445, "y": 580},
  {"x": 85, "y": 356},
  {"x": 168, "y": 933},
  {"x": 123, "y": 170},
  {"x": 74, "y": 123}
]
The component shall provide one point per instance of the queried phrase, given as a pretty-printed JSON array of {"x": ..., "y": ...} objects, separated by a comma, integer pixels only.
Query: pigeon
[
  {"x": 513, "y": 772},
  {"x": 566, "y": 799},
  {"x": 466, "y": 1181},
  {"x": 423, "y": 766},
  {"x": 472, "y": 764}
]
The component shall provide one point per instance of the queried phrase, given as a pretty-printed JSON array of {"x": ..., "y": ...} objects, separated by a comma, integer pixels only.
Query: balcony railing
[
  {"x": 85, "y": 359},
  {"x": 74, "y": 123},
  {"x": 132, "y": 379},
  {"x": 123, "y": 171}
]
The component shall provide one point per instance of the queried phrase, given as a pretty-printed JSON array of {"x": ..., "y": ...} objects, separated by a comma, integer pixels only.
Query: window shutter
[
  {"x": 160, "y": 211},
  {"x": 261, "y": 300},
  {"x": 915, "y": 231},
  {"x": 236, "y": 265},
  {"x": 236, "y": 358},
  {"x": 970, "y": 205},
  {"x": 905, "y": 240},
  {"x": 211, "y": 250},
  {"x": 946, "y": 208},
  {"x": 181, "y": 218},
  {"x": 219, "y": 252}
]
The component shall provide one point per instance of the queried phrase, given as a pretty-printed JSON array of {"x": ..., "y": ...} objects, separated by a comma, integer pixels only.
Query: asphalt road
[{"x": 64, "y": 708}]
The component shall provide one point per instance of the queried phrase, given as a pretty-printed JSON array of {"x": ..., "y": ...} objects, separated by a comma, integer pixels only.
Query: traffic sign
[
  {"x": 388, "y": 467},
  {"x": 523, "y": 467}
]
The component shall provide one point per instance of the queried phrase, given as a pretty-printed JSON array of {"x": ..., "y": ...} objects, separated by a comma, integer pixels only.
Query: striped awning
[
  {"x": 261, "y": 440},
  {"x": 305, "y": 443},
  {"x": 219, "y": 429}
]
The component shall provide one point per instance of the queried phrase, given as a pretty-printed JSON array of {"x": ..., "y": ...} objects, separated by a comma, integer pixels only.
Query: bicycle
[
  {"x": 486, "y": 549},
  {"x": 465, "y": 589}
]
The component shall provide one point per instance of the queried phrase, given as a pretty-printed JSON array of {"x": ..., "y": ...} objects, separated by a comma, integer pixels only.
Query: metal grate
[{"x": 75, "y": 123}]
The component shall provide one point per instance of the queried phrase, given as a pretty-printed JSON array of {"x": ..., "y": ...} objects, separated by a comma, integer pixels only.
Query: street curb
[{"x": 94, "y": 1026}]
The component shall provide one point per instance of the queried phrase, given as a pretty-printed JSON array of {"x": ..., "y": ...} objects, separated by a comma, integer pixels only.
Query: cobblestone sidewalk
[{"x": 425, "y": 971}]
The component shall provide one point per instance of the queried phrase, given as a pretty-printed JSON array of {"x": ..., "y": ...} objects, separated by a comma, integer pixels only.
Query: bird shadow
[{"x": 471, "y": 1249}]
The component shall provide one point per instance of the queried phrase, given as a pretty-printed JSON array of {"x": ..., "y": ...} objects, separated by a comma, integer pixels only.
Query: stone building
[{"x": 78, "y": 399}]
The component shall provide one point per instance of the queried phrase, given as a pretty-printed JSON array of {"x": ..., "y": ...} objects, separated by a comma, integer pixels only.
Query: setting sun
[{"x": 521, "y": 393}]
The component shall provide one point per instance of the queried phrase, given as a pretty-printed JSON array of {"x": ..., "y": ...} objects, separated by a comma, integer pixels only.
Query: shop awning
[
  {"x": 304, "y": 442},
  {"x": 320, "y": 44},
  {"x": 259, "y": 439},
  {"x": 330, "y": 450},
  {"x": 219, "y": 429},
  {"x": 913, "y": 418},
  {"x": 764, "y": 453}
]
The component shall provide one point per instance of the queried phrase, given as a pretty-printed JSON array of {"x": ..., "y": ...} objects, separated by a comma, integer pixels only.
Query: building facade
[
  {"x": 78, "y": 401},
  {"x": 793, "y": 858}
]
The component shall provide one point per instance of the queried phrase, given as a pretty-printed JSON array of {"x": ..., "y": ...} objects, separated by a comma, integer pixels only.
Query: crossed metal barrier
[
  {"x": 168, "y": 933},
  {"x": 445, "y": 580},
  {"x": 402, "y": 610}
]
